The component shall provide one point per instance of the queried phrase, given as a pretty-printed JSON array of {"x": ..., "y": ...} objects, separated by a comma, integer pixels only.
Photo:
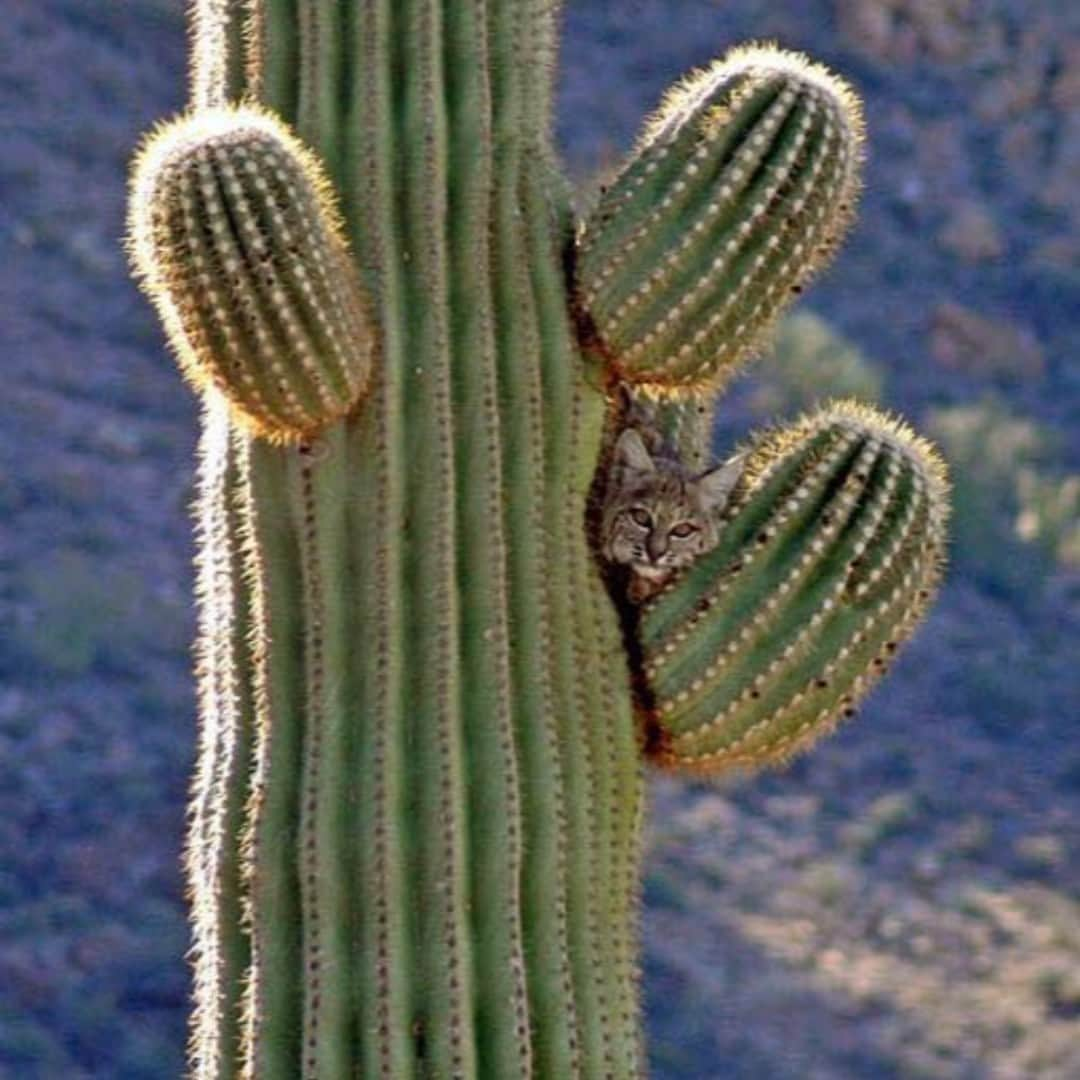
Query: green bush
[
  {"x": 810, "y": 362},
  {"x": 1016, "y": 516},
  {"x": 80, "y": 614}
]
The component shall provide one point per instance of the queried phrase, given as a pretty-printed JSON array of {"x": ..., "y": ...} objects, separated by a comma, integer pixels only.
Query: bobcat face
[{"x": 658, "y": 517}]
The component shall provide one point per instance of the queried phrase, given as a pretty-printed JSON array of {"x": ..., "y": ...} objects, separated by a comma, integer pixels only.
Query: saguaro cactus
[{"x": 415, "y": 825}]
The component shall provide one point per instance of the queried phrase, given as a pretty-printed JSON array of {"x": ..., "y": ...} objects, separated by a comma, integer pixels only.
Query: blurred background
[{"x": 905, "y": 902}]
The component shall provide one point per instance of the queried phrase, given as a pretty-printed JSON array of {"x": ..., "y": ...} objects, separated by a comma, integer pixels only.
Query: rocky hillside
[{"x": 903, "y": 903}]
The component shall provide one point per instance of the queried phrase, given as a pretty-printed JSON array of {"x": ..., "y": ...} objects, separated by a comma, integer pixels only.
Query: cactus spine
[{"x": 416, "y": 819}]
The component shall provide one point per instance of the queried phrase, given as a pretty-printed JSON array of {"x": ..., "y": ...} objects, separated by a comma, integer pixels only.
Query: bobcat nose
[{"x": 656, "y": 545}]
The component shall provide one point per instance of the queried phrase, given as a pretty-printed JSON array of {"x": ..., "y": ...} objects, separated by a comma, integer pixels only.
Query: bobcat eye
[
  {"x": 683, "y": 530},
  {"x": 641, "y": 517}
]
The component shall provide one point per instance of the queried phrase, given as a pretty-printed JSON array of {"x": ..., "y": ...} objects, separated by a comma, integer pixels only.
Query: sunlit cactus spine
[{"x": 416, "y": 821}]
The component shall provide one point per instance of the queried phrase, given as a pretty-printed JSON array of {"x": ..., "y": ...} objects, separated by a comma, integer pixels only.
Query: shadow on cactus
[{"x": 416, "y": 820}]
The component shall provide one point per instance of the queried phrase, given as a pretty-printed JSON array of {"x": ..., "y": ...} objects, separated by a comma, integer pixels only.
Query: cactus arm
[
  {"x": 825, "y": 565},
  {"x": 738, "y": 191}
]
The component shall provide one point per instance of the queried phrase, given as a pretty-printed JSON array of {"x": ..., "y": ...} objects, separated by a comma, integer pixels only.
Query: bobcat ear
[
  {"x": 630, "y": 452},
  {"x": 634, "y": 411},
  {"x": 717, "y": 484}
]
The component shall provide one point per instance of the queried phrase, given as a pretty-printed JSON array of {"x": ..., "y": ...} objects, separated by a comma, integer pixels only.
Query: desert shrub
[
  {"x": 1015, "y": 513},
  {"x": 808, "y": 362},
  {"x": 78, "y": 614},
  {"x": 1049, "y": 514}
]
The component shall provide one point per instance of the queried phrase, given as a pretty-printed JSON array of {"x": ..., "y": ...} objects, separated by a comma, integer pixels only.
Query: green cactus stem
[
  {"x": 235, "y": 235},
  {"x": 739, "y": 190},
  {"x": 416, "y": 822},
  {"x": 828, "y": 559}
]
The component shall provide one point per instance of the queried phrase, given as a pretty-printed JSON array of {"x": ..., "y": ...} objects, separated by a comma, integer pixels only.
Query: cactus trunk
[{"x": 403, "y": 628}]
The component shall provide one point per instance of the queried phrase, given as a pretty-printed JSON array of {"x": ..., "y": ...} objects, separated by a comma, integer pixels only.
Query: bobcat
[{"x": 658, "y": 517}]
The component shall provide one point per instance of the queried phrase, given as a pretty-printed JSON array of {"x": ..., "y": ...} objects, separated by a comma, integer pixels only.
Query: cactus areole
[{"x": 415, "y": 828}]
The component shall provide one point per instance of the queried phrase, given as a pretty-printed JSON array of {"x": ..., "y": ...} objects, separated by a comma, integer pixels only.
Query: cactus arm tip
[{"x": 235, "y": 235}]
